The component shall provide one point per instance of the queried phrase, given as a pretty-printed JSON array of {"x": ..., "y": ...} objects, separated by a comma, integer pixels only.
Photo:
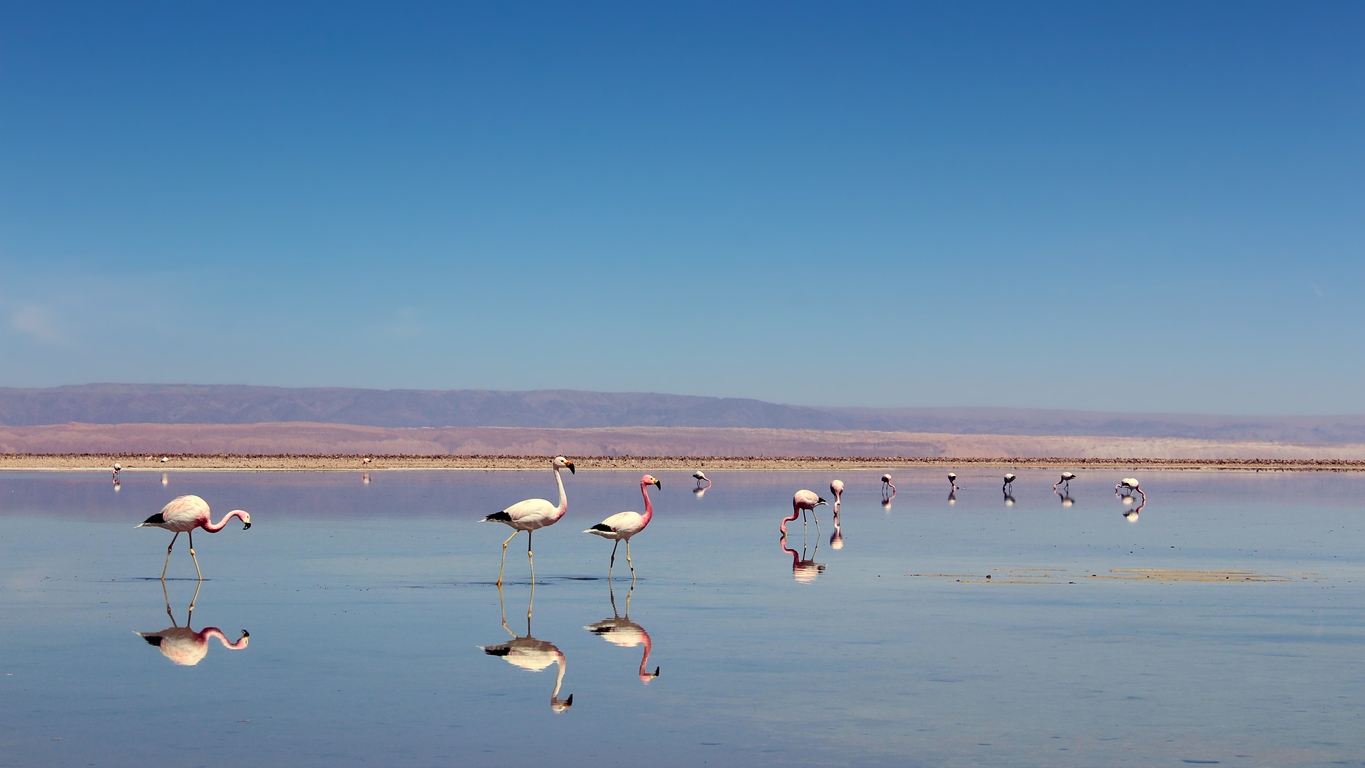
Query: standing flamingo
[
  {"x": 621, "y": 631},
  {"x": 836, "y": 487},
  {"x": 183, "y": 515},
  {"x": 701, "y": 478},
  {"x": 886, "y": 483},
  {"x": 117, "y": 469},
  {"x": 623, "y": 525},
  {"x": 531, "y": 514},
  {"x": 802, "y": 501},
  {"x": 365, "y": 462},
  {"x": 1067, "y": 477}
]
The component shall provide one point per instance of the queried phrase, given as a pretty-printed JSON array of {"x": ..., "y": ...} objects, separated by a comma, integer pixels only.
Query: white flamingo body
[
  {"x": 836, "y": 487},
  {"x": 533, "y": 514},
  {"x": 183, "y": 515},
  {"x": 1067, "y": 477},
  {"x": 886, "y": 485},
  {"x": 702, "y": 478},
  {"x": 624, "y": 525},
  {"x": 1009, "y": 480},
  {"x": 952, "y": 480}
]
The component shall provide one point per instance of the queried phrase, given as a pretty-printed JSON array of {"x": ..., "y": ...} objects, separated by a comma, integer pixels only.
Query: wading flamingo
[
  {"x": 952, "y": 481},
  {"x": 621, "y": 631},
  {"x": 886, "y": 484},
  {"x": 532, "y": 514},
  {"x": 701, "y": 478},
  {"x": 836, "y": 487},
  {"x": 623, "y": 525},
  {"x": 183, "y": 645},
  {"x": 1067, "y": 477},
  {"x": 531, "y": 654},
  {"x": 1009, "y": 482},
  {"x": 801, "y": 502},
  {"x": 1127, "y": 486},
  {"x": 365, "y": 462},
  {"x": 183, "y": 515},
  {"x": 117, "y": 469}
]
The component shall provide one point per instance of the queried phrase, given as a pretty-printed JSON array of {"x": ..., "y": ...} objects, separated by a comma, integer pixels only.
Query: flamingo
[
  {"x": 183, "y": 515},
  {"x": 164, "y": 459},
  {"x": 531, "y": 514},
  {"x": 802, "y": 501},
  {"x": 622, "y": 632},
  {"x": 183, "y": 645},
  {"x": 701, "y": 478},
  {"x": 1009, "y": 480},
  {"x": 365, "y": 462},
  {"x": 952, "y": 480},
  {"x": 886, "y": 483},
  {"x": 836, "y": 487},
  {"x": 117, "y": 469},
  {"x": 1067, "y": 477},
  {"x": 531, "y": 654},
  {"x": 623, "y": 525},
  {"x": 1127, "y": 485}
]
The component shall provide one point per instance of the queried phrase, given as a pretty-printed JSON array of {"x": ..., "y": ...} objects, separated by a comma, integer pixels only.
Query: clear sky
[{"x": 1128, "y": 206}]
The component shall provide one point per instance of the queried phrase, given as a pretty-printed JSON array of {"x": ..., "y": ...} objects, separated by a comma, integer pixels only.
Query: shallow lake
[{"x": 1224, "y": 623}]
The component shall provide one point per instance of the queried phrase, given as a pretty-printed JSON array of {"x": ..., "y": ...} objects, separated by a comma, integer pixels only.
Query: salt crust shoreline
[{"x": 351, "y": 463}]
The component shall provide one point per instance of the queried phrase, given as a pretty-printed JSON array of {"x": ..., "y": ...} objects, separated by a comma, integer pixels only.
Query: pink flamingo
[
  {"x": 701, "y": 478},
  {"x": 531, "y": 514},
  {"x": 886, "y": 483},
  {"x": 1127, "y": 486},
  {"x": 623, "y": 525},
  {"x": 836, "y": 487},
  {"x": 183, "y": 515},
  {"x": 621, "y": 631},
  {"x": 801, "y": 502},
  {"x": 183, "y": 645}
]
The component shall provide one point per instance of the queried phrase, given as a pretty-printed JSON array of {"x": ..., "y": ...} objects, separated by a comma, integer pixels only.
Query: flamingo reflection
[
  {"x": 836, "y": 539},
  {"x": 1132, "y": 514},
  {"x": 803, "y": 570},
  {"x": 621, "y": 631},
  {"x": 531, "y": 654},
  {"x": 183, "y": 645}
]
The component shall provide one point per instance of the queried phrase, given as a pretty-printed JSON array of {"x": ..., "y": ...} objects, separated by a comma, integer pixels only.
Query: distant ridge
[{"x": 569, "y": 409}]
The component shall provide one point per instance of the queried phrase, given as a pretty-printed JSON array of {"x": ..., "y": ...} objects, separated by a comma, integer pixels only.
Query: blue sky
[{"x": 1128, "y": 206}]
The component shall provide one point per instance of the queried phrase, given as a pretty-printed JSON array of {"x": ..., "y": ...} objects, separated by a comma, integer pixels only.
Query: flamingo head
[
  {"x": 246, "y": 519},
  {"x": 645, "y": 677},
  {"x": 560, "y": 705},
  {"x": 562, "y": 463},
  {"x": 651, "y": 480}
]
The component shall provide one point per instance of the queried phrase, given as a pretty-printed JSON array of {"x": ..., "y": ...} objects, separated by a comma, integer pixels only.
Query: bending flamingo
[
  {"x": 952, "y": 481},
  {"x": 1067, "y": 477},
  {"x": 623, "y": 525},
  {"x": 531, "y": 514},
  {"x": 1127, "y": 486},
  {"x": 701, "y": 478},
  {"x": 836, "y": 487},
  {"x": 1009, "y": 482},
  {"x": 886, "y": 483},
  {"x": 801, "y": 502},
  {"x": 183, "y": 515}
]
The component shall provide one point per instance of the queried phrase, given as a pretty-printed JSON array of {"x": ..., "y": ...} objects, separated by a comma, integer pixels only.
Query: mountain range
[{"x": 570, "y": 409}]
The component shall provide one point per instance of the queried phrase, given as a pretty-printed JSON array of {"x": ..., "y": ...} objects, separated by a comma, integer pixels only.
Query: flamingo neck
[
  {"x": 649, "y": 507},
  {"x": 563, "y": 498},
  {"x": 796, "y": 559},
  {"x": 559, "y": 677},
  {"x": 218, "y": 526},
  {"x": 209, "y": 632},
  {"x": 796, "y": 512}
]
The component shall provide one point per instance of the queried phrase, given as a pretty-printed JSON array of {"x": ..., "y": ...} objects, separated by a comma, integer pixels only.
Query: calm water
[{"x": 368, "y": 605}]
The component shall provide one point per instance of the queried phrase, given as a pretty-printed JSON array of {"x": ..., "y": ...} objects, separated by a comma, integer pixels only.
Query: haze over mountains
[{"x": 567, "y": 409}]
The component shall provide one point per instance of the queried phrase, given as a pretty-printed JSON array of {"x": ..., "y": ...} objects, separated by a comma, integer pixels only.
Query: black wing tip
[
  {"x": 156, "y": 519},
  {"x": 497, "y": 650},
  {"x": 498, "y": 517},
  {"x": 602, "y": 527},
  {"x": 153, "y": 640}
]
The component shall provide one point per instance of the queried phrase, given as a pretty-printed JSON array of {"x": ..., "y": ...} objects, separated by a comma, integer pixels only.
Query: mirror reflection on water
[{"x": 1207, "y": 616}]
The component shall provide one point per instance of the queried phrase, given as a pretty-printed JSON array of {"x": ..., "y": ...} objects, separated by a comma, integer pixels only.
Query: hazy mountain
[{"x": 215, "y": 404}]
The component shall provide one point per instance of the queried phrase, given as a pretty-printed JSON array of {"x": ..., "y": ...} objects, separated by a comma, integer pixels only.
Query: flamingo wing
[
  {"x": 526, "y": 515},
  {"x": 618, "y": 525}
]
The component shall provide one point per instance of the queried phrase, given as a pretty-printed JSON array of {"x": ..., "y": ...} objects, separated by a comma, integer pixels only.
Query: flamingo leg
[
  {"x": 533, "y": 566},
  {"x": 628, "y": 561},
  {"x": 189, "y": 616},
  {"x": 504, "y": 559},
  {"x": 612, "y": 564},
  {"x": 197, "y": 572},
  {"x": 168, "y": 557},
  {"x": 168, "y": 603}
]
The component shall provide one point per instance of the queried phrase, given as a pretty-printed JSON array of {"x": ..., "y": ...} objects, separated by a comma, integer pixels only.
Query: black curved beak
[
  {"x": 246, "y": 526},
  {"x": 571, "y": 471},
  {"x": 246, "y": 633},
  {"x": 656, "y": 671},
  {"x": 659, "y": 484},
  {"x": 820, "y": 501}
]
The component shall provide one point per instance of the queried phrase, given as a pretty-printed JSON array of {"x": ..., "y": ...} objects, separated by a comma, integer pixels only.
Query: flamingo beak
[
  {"x": 820, "y": 501},
  {"x": 659, "y": 484},
  {"x": 569, "y": 464},
  {"x": 245, "y": 526}
]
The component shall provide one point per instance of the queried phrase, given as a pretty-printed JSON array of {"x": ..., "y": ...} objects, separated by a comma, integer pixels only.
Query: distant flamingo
[
  {"x": 1067, "y": 477},
  {"x": 117, "y": 469},
  {"x": 1009, "y": 481},
  {"x": 886, "y": 483},
  {"x": 952, "y": 481},
  {"x": 532, "y": 655},
  {"x": 183, "y": 515},
  {"x": 623, "y": 525},
  {"x": 365, "y": 462},
  {"x": 183, "y": 645},
  {"x": 836, "y": 487},
  {"x": 621, "y": 631},
  {"x": 531, "y": 514},
  {"x": 701, "y": 478},
  {"x": 1127, "y": 486},
  {"x": 801, "y": 502}
]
